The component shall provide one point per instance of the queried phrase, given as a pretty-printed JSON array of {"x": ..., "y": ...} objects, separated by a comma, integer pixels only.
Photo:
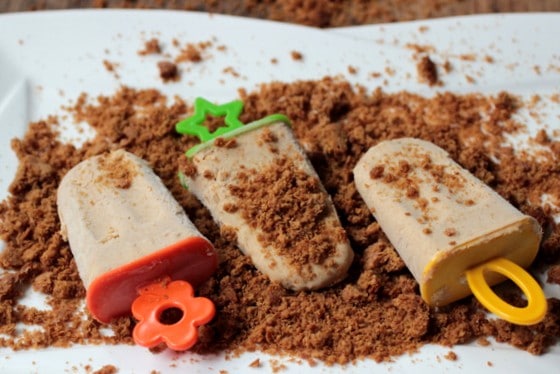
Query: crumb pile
[
  {"x": 376, "y": 312},
  {"x": 289, "y": 207}
]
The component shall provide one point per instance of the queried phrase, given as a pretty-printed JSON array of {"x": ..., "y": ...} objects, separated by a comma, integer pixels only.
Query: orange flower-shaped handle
[{"x": 167, "y": 312}]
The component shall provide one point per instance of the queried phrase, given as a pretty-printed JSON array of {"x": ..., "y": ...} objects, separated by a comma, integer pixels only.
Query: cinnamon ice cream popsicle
[
  {"x": 259, "y": 185},
  {"x": 443, "y": 221},
  {"x": 126, "y": 231}
]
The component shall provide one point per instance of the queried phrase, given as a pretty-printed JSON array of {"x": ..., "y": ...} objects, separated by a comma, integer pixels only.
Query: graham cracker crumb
[
  {"x": 151, "y": 47},
  {"x": 451, "y": 356},
  {"x": 118, "y": 172},
  {"x": 427, "y": 71},
  {"x": 450, "y": 231},
  {"x": 168, "y": 71},
  {"x": 255, "y": 364},
  {"x": 296, "y": 56}
]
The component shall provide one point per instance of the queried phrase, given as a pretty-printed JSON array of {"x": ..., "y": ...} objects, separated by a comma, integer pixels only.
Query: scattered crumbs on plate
[
  {"x": 296, "y": 56},
  {"x": 255, "y": 363},
  {"x": 483, "y": 341},
  {"x": 489, "y": 363},
  {"x": 111, "y": 67},
  {"x": 151, "y": 47},
  {"x": 107, "y": 369},
  {"x": 420, "y": 48},
  {"x": 489, "y": 59},
  {"x": 451, "y": 356},
  {"x": 168, "y": 71},
  {"x": 277, "y": 366},
  {"x": 274, "y": 60},
  {"x": 390, "y": 71},
  {"x": 468, "y": 57},
  {"x": 427, "y": 71},
  {"x": 230, "y": 70},
  {"x": 470, "y": 79}
]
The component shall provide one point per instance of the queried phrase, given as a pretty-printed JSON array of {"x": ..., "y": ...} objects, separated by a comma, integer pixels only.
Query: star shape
[{"x": 193, "y": 125}]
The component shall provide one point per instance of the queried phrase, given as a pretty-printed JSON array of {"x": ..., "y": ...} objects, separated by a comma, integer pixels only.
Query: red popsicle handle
[{"x": 167, "y": 312}]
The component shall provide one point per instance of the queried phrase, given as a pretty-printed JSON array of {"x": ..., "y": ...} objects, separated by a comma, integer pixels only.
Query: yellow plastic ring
[{"x": 536, "y": 307}]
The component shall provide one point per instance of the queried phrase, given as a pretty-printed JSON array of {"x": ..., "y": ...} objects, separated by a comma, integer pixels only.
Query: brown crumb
[
  {"x": 427, "y": 71},
  {"x": 376, "y": 172},
  {"x": 230, "y": 70},
  {"x": 296, "y": 56},
  {"x": 352, "y": 69},
  {"x": 168, "y": 71},
  {"x": 451, "y": 356},
  {"x": 192, "y": 52},
  {"x": 450, "y": 232},
  {"x": 111, "y": 67},
  {"x": 107, "y": 369},
  {"x": 208, "y": 174},
  {"x": 225, "y": 142},
  {"x": 117, "y": 171},
  {"x": 483, "y": 341},
  {"x": 255, "y": 364},
  {"x": 151, "y": 47}
]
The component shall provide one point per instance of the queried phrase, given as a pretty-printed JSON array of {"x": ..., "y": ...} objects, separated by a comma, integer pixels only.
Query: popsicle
[
  {"x": 456, "y": 235},
  {"x": 257, "y": 182},
  {"x": 134, "y": 246}
]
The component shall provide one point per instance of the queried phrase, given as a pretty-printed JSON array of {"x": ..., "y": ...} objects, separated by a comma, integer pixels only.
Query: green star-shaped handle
[{"x": 194, "y": 125}]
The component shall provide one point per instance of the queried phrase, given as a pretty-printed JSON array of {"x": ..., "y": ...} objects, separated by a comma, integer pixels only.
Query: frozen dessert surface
[
  {"x": 124, "y": 229},
  {"x": 441, "y": 219},
  {"x": 261, "y": 186}
]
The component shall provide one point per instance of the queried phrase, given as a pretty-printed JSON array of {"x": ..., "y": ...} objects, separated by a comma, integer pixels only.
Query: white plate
[{"x": 48, "y": 58}]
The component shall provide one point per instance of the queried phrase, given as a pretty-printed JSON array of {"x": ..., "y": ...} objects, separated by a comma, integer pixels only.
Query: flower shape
[{"x": 167, "y": 312}]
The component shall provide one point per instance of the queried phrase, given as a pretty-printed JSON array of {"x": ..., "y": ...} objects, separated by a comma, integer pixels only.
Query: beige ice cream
[
  {"x": 260, "y": 186},
  {"x": 440, "y": 218},
  {"x": 126, "y": 230}
]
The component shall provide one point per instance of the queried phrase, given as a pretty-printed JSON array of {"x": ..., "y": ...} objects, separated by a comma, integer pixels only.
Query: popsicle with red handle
[{"x": 134, "y": 246}]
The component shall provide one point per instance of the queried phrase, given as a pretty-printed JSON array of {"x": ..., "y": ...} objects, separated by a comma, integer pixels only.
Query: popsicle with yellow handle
[
  {"x": 456, "y": 235},
  {"x": 134, "y": 247}
]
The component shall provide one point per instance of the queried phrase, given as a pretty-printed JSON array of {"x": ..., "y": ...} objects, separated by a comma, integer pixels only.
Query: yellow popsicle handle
[{"x": 536, "y": 307}]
